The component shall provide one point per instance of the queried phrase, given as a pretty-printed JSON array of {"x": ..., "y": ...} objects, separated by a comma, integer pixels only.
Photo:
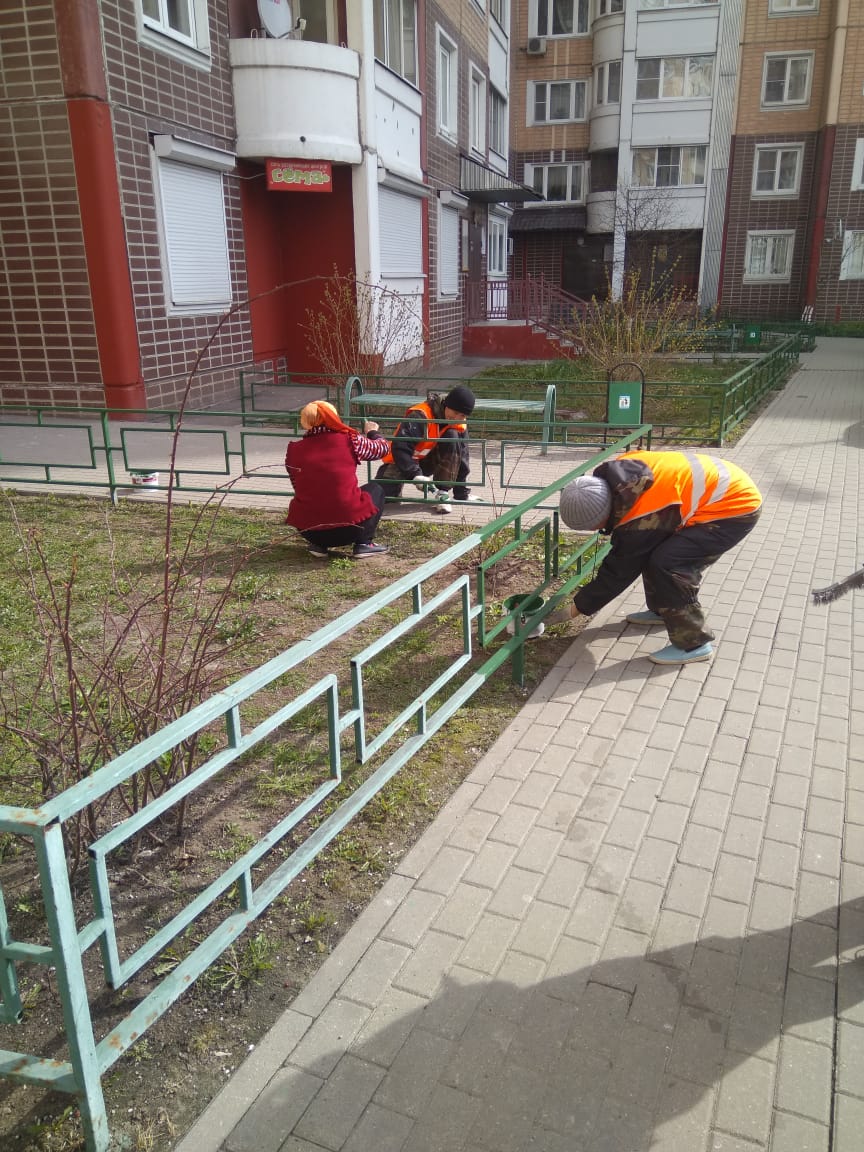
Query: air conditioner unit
[{"x": 536, "y": 46}]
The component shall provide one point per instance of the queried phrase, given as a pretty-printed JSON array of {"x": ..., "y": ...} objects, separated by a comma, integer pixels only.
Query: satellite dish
[{"x": 276, "y": 17}]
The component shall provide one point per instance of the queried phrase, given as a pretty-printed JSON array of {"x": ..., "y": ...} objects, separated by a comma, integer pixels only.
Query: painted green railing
[{"x": 90, "y": 1057}]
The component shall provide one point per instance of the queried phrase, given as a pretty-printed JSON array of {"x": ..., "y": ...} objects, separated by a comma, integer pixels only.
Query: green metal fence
[{"x": 91, "y": 1057}]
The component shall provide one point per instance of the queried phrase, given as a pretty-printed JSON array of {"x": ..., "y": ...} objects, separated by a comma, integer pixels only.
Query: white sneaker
[
  {"x": 443, "y": 507},
  {"x": 471, "y": 499}
]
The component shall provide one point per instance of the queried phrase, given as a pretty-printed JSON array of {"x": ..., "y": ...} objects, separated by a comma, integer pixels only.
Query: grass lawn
[{"x": 105, "y": 567}]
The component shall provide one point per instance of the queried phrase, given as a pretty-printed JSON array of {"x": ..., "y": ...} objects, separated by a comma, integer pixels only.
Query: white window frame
[
  {"x": 858, "y": 166},
  {"x": 793, "y": 7},
  {"x": 788, "y": 57},
  {"x": 533, "y": 85},
  {"x": 476, "y": 111},
  {"x": 385, "y": 35},
  {"x": 156, "y": 32},
  {"x": 760, "y": 193},
  {"x": 601, "y": 83},
  {"x": 170, "y": 159},
  {"x": 448, "y": 256},
  {"x": 769, "y": 277},
  {"x": 609, "y": 7},
  {"x": 532, "y": 171},
  {"x": 498, "y": 12},
  {"x": 496, "y": 248},
  {"x": 498, "y": 131},
  {"x": 648, "y": 5},
  {"x": 542, "y": 26},
  {"x": 448, "y": 126},
  {"x": 853, "y": 246},
  {"x": 679, "y": 148},
  {"x": 666, "y": 66}
]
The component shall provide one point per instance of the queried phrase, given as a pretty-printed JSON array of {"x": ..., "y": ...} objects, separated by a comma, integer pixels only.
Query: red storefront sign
[{"x": 299, "y": 176}]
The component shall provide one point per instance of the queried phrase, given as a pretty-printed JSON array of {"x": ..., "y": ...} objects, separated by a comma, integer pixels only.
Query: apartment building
[
  {"x": 181, "y": 178},
  {"x": 794, "y": 228},
  {"x": 714, "y": 141}
]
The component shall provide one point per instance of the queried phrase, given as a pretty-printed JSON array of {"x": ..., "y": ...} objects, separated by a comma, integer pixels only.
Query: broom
[{"x": 835, "y": 591}]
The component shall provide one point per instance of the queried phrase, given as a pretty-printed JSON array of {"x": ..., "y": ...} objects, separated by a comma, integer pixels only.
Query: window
[
  {"x": 497, "y": 122},
  {"x": 447, "y": 90},
  {"x": 448, "y": 251},
  {"x": 673, "y": 3},
  {"x": 674, "y": 77},
  {"x": 786, "y": 79},
  {"x": 606, "y": 7},
  {"x": 561, "y": 17},
  {"x": 858, "y": 167},
  {"x": 400, "y": 227},
  {"x": 607, "y": 83},
  {"x": 852, "y": 265},
  {"x": 173, "y": 17},
  {"x": 792, "y": 6},
  {"x": 396, "y": 36},
  {"x": 777, "y": 171},
  {"x": 194, "y": 237},
  {"x": 496, "y": 260},
  {"x": 768, "y": 256},
  {"x": 669, "y": 167},
  {"x": 558, "y": 182},
  {"x": 498, "y": 11},
  {"x": 557, "y": 101},
  {"x": 477, "y": 111}
]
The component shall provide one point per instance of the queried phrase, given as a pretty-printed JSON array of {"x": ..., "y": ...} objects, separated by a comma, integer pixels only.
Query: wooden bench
[{"x": 358, "y": 402}]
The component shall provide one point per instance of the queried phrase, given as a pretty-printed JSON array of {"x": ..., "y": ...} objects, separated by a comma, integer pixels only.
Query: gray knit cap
[{"x": 585, "y": 503}]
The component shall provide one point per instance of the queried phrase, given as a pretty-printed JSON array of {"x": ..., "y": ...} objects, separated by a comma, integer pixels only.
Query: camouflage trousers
[
  {"x": 447, "y": 464},
  {"x": 674, "y": 571}
]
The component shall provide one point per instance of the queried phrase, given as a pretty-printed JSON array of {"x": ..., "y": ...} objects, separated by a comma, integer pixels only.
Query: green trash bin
[
  {"x": 752, "y": 335},
  {"x": 624, "y": 402}
]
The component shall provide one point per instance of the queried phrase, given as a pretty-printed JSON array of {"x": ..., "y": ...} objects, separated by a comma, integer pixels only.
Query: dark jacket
[
  {"x": 411, "y": 433},
  {"x": 633, "y": 542}
]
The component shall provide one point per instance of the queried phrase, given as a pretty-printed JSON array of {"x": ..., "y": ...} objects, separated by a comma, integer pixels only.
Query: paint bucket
[
  {"x": 528, "y": 603},
  {"x": 144, "y": 479}
]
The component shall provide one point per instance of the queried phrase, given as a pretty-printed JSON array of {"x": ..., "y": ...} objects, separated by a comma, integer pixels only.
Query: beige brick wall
[
  {"x": 851, "y": 109},
  {"x": 568, "y": 59}
]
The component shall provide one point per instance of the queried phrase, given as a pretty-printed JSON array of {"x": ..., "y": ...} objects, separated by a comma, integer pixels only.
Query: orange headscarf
[{"x": 320, "y": 412}]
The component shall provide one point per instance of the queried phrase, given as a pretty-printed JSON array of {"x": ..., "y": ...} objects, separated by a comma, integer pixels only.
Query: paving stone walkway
[{"x": 639, "y": 924}]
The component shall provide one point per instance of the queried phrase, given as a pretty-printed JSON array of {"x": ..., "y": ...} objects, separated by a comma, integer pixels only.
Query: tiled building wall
[
  {"x": 48, "y": 352},
  {"x": 841, "y": 299},
  {"x": 152, "y": 93},
  {"x": 745, "y": 213},
  {"x": 568, "y": 58},
  {"x": 465, "y": 26}
]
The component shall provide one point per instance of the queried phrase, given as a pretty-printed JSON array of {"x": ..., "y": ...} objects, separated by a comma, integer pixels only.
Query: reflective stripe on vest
[
  {"x": 433, "y": 432},
  {"x": 699, "y": 485}
]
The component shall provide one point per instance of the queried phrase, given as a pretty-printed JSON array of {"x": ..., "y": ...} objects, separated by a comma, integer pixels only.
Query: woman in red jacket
[{"x": 329, "y": 508}]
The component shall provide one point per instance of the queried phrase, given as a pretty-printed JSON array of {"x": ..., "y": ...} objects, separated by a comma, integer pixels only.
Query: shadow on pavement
[{"x": 604, "y": 1056}]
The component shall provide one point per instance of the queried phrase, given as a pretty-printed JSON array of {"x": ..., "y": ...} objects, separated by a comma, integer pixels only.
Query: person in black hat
[{"x": 430, "y": 447}]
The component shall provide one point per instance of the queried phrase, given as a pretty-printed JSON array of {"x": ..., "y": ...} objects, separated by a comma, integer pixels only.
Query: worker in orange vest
[
  {"x": 669, "y": 515},
  {"x": 430, "y": 449}
]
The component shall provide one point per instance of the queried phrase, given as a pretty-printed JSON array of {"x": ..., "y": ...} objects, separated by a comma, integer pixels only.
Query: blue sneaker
[
  {"x": 672, "y": 655},
  {"x": 646, "y": 617}
]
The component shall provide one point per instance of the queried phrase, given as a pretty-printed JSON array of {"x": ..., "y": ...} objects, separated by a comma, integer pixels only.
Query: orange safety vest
[
  {"x": 705, "y": 487},
  {"x": 433, "y": 432}
]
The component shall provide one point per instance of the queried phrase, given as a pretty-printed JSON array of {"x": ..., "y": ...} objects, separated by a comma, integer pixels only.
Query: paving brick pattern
[{"x": 639, "y": 924}]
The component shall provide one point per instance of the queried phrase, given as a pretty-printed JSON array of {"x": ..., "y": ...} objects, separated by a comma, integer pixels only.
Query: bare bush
[{"x": 363, "y": 328}]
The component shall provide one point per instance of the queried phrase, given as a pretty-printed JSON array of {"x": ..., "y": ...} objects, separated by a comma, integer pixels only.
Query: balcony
[
  {"x": 296, "y": 98},
  {"x": 605, "y": 127},
  {"x": 600, "y": 207}
]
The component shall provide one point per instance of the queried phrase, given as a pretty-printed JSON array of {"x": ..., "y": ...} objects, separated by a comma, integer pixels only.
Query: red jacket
[{"x": 323, "y": 471}]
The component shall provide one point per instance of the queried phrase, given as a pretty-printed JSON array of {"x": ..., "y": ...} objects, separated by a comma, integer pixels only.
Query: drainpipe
[
  {"x": 826, "y": 158},
  {"x": 92, "y": 138}
]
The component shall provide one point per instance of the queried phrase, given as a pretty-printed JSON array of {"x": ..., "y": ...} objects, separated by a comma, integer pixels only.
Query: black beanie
[{"x": 460, "y": 399}]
